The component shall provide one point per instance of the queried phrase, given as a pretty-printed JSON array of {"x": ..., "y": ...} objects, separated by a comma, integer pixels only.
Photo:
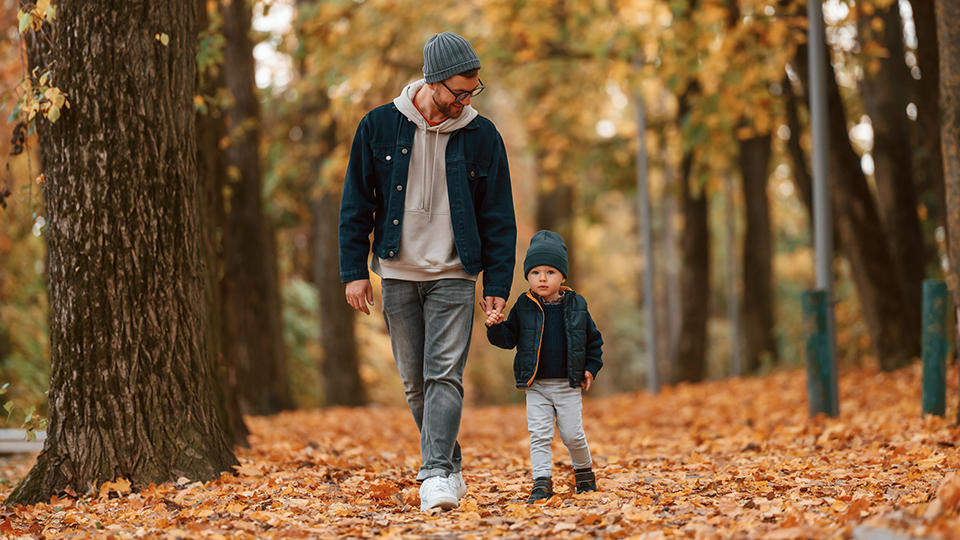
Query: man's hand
[
  {"x": 587, "y": 381},
  {"x": 359, "y": 293},
  {"x": 493, "y": 305}
]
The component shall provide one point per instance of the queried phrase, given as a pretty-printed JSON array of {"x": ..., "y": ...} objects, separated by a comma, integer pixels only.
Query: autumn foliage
[{"x": 732, "y": 458}]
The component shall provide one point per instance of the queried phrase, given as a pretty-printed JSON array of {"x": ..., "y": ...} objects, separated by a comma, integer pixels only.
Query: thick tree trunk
[
  {"x": 925, "y": 132},
  {"x": 885, "y": 99},
  {"x": 133, "y": 389},
  {"x": 341, "y": 374},
  {"x": 948, "y": 36},
  {"x": 690, "y": 363},
  {"x": 863, "y": 239},
  {"x": 211, "y": 129},
  {"x": 253, "y": 336},
  {"x": 757, "y": 316}
]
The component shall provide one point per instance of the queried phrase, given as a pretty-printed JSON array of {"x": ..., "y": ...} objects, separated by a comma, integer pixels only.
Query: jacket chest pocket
[
  {"x": 383, "y": 160},
  {"x": 477, "y": 171}
]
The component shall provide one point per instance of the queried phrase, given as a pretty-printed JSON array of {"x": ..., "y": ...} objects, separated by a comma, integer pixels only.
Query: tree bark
[
  {"x": 863, "y": 239},
  {"x": 925, "y": 132},
  {"x": 757, "y": 315},
  {"x": 885, "y": 100},
  {"x": 948, "y": 37},
  {"x": 690, "y": 363},
  {"x": 133, "y": 389},
  {"x": 253, "y": 335},
  {"x": 211, "y": 129}
]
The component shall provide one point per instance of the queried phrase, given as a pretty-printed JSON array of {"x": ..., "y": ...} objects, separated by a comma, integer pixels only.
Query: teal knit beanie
[
  {"x": 546, "y": 247},
  {"x": 447, "y": 54}
]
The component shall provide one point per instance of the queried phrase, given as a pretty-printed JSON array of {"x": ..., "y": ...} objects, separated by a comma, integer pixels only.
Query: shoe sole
[{"x": 443, "y": 504}]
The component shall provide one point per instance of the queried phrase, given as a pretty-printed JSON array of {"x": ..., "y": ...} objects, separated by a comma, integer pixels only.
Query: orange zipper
[{"x": 543, "y": 322}]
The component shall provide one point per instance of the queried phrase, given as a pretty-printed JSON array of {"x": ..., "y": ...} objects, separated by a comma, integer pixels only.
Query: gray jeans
[
  {"x": 549, "y": 399},
  {"x": 430, "y": 324}
]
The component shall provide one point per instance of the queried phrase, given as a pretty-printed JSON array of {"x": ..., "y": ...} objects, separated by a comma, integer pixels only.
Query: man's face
[{"x": 444, "y": 98}]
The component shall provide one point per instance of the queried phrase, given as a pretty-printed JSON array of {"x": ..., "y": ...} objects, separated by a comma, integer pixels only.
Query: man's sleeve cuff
[
  {"x": 346, "y": 277},
  {"x": 499, "y": 292}
]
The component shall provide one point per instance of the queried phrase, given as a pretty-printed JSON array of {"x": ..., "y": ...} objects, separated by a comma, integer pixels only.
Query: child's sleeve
[
  {"x": 594, "y": 353},
  {"x": 504, "y": 335}
]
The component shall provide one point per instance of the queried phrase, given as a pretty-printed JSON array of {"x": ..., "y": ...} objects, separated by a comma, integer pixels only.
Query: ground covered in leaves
[{"x": 735, "y": 458}]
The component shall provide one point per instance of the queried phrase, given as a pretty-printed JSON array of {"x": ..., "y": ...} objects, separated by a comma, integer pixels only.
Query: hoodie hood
[{"x": 404, "y": 103}]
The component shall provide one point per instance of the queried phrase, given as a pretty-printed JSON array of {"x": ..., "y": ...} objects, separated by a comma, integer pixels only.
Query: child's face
[{"x": 545, "y": 281}]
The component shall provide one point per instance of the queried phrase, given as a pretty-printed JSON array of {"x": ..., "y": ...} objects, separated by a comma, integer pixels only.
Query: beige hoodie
[{"x": 427, "y": 251}]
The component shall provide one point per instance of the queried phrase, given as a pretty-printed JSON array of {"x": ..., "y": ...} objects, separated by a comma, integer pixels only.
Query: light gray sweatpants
[{"x": 549, "y": 400}]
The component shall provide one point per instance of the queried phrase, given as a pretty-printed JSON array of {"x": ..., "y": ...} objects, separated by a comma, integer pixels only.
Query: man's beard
[{"x": 450, "y": 111}]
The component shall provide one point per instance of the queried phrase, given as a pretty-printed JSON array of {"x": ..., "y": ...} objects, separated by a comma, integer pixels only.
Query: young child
[{"x": 558, "y": 354}]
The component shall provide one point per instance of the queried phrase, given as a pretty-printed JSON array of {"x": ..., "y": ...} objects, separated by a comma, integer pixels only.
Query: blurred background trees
[{"x": 282, "y": 84}]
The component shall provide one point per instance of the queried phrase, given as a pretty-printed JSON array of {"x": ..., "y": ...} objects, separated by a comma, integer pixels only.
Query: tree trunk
[
  {"x": 253, "y": 336},
  {"x": 948, "y": 36},
  {"x": 211, "y": 129},
  {"x": 341, "y": 363},
  {"x": 133, "y": 389},
  {"x": 671, "y": 317},
  {"x": 885, "y": 100},
  {"x": 555, "y": 212},
  {"x": 341, "y": 375},
  {"x": 690, "y": 363},
  {"x": 925, "y": 132},
  {"x": 757, "y": 315},
  {"x": 863, "y": 239}
]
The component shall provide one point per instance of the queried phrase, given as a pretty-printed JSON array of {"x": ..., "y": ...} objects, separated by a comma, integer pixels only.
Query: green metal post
[
  {"x": 934, "y": 347},
  {"x": 821, "y": 373}
]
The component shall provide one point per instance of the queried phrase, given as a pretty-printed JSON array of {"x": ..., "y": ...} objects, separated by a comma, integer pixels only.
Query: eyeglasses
[{"x": 460, "y": 96}]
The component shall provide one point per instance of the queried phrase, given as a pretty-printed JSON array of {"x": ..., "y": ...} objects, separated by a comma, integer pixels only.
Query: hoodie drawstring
[{"x": 433, "y": 173}]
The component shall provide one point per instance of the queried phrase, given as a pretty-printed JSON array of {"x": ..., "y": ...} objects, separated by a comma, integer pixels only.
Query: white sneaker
[
  {"x": 436, "y": 492},
  {"x": 458, "y": 484}
]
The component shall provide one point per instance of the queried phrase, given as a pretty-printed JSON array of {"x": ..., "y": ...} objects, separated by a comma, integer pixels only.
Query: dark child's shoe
[
  {"x": 586, "y": 480},
  {"x": 542, "y": 489}
]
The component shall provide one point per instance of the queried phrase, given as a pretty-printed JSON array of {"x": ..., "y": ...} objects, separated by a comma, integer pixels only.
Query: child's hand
[
  {"x": 587, "y": 381},
  {"x": 493, "y": 318}
]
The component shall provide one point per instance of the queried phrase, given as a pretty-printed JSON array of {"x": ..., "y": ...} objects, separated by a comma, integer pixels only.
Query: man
[{"x": 429, "y": 176}]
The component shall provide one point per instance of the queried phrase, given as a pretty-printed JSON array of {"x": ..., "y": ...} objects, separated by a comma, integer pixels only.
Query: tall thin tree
[
  {"x": 212, "y": 164},
  {"x": 253, "y": 335},
  {"x": 757, "y": 315},
  {"x": 885, "y": 100}
]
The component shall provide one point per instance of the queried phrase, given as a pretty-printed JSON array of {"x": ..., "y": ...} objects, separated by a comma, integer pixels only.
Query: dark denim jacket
[{"x": 478, "y": 183}]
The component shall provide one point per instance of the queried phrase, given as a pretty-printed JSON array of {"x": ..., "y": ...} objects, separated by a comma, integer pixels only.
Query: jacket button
[
  {"x": 389, "y": 158},
  {"x": 399, "y": 188},
  {"x": 396, "y": 222},
  {"x": 403, "y": 151},
  {"x": 390, "y": 254}
]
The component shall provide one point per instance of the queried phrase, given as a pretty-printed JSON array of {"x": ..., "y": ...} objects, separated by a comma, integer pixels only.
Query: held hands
[
  {"x": 359, "y": 294},
  {"x": 587, "y": 381},
  {"x": 493, "y": 307},
  {"x": 494, "y": 318}
]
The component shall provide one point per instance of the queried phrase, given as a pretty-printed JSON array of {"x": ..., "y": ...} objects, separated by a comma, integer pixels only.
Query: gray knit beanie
[
  {"x": 446, "y": 55},
  {"x": 546, "y": 247}
]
